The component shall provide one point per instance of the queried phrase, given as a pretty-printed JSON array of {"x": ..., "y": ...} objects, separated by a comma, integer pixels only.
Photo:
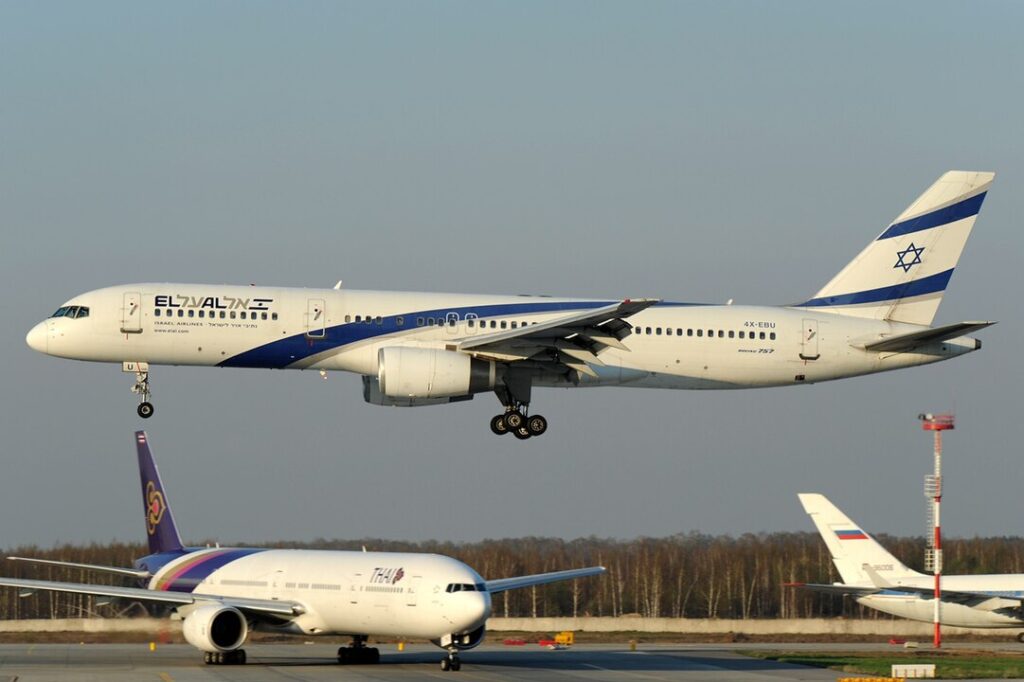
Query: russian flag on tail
[{"x": 854, "y": 534}]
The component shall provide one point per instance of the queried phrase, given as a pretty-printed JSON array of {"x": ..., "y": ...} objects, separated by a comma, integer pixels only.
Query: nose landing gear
[
  {"x": 141, "y": 386},
  {"x": 451, "y": 662}
]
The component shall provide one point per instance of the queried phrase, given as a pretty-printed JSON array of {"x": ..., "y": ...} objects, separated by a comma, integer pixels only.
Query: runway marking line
[
  {"x": 621, "y": 672},
  {"x": 166, "y": 678}
]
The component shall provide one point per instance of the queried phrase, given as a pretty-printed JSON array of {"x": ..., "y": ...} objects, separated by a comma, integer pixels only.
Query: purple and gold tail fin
[{"x": 160, "y": 528}]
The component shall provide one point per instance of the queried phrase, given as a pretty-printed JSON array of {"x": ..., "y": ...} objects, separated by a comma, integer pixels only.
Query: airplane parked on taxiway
[
  {"x": 223, "y": 593},
  {"x": 416, "y": 348},
  {"x": 878, "y": 580}
]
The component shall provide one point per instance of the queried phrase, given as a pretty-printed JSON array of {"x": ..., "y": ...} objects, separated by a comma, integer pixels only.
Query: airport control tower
[{"x": 936, "y": 423}]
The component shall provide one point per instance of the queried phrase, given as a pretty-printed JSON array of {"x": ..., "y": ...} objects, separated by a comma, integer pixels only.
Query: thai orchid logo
[{"x": 155, "y": 507}]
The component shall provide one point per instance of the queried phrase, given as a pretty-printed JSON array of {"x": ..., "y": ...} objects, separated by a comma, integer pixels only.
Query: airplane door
[
  {"x": 131, "y": 314},
  {"x": 412, "y": 589},
  {"x": 809, "y": 345},
  {"x": 316, "y": 318},
  {"x": 451, "y": 322}
]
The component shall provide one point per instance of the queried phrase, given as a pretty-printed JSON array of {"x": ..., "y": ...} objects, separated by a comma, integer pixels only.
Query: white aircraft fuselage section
[
  {"x": 1001, "y": 611},
  {"x": 386, "y": 593},
  {"x": 672, "y": 345}
]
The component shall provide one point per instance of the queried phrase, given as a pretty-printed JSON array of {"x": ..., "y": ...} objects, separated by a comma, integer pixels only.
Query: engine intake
[
  {"x": 215, "y": 628},
  {"x": 427, "y": 373}
]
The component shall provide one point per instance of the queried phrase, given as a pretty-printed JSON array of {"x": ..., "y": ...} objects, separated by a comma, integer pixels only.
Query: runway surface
[{"x": 489, "y": 663}]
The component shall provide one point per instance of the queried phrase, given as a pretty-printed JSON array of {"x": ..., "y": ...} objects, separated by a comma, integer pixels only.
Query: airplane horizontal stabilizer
[
  {"x": 129, "y": 572},
  {"x": 908, "y": 342},
  {"x": 254, "y": 606}
]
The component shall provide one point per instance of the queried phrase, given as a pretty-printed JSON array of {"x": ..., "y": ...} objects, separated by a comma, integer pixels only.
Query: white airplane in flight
[
  {"x": 221, "y": 594},
  {"x": 426, "y": 348},
  {"x": 878, "y": 580}
]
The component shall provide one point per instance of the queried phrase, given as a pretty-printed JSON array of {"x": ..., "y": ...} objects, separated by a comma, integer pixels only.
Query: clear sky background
[{"x": 690, "y": 151}]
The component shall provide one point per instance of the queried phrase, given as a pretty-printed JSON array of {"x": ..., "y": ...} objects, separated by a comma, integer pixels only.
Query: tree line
[{"x": 688, "y": 575}]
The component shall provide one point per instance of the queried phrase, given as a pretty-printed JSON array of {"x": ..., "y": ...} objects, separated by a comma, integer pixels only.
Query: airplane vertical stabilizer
[
  {"x": 160, "y": 529},
  {"x": 850, "y": 546},
  {"x": 902, "y": 274}
]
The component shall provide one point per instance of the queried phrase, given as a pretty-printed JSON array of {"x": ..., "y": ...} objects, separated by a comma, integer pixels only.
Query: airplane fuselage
[
  {"x": 1003, "y": 610},
  {"x": 342, "y": 593},
  {"x": 672, "y": 345}
]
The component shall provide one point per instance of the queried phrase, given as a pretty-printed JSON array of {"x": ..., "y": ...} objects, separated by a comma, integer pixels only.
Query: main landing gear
[
  {"x": 236, "y": 657},
  {"x": 141, "y": 387},
  {"x": 1020, "y": 637},
  {"x": 451, "y": 662},
  {"x": 358, "y": 653},
  {"x": 514, "y": 421}
]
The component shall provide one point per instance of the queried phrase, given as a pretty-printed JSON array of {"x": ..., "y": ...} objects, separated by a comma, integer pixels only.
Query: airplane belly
[{"x": 957, "y": 615}]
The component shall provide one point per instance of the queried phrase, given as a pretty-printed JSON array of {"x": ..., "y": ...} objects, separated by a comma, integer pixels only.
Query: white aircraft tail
[
  {"x": 851, "y": 547},
  {"x": 902, "y": 274}
]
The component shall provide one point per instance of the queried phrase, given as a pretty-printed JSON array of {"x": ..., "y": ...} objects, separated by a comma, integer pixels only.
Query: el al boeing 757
[
  {"x": 413, "y": 348},
  {"x": 878, "y": 580},
  {"x": 221, "y": 594}
]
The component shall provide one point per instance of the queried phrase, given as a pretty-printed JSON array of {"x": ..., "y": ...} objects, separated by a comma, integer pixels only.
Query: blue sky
[{"x": 691, "y": 151}]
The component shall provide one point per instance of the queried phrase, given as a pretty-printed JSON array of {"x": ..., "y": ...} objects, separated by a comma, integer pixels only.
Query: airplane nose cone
[{"x": 38, "y": 337}]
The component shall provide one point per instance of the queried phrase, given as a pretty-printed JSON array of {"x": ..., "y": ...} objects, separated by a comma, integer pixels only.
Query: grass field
[{"x": 950, "y": 665}]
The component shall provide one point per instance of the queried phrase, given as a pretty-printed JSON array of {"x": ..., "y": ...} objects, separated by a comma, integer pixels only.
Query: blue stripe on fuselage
[
  {"x": 958, "y": 211},
  {"x": 917, "y": 287},
  {"x": 283, "y": 352}
]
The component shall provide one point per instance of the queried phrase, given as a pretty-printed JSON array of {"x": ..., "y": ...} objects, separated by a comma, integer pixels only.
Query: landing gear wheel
[
  {"x": 446, "y": 665},
  {"x": 536, "y": 425},
  {"x": 498, "y": 425},
  {"x": 1020, "y": 637},
  {"x": 241, "y": 657},
  {"x": 145, "y": 410},
  {"x": 343, "y": 655},
  {"x": 207, "y": 657},
  {"x": 513, "y": 420},
  {"x": 522, "y": 433},
  {"x": 456, "y": 665}
]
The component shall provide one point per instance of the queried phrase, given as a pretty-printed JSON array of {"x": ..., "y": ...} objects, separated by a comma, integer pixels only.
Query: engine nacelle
[
  {"x": 464, "y": 641},
  {"x": 215, "y": 628},
  {"x": 372, "y": 394},
  {"x": 427, "y": 373}
]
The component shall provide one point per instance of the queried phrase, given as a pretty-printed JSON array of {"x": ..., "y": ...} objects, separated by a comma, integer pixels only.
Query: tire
[
  {"x": 373, "y": 657},
  {"x": 207, "y": 657},
  {"x": 240, "y": 657},
  {"x": 145, "y": 410},
  {"x": 343, "y": 655},
  {"x": 498, "y": 425},
  {"x": 1020, "y": 637},
  {"x": 536, "y": 425},
  {"x": 456, "y": 665},
  {"x": 513, "y": 420},
  {"x": 522, "y": 433},
  {"x": 446, "y": 665}
]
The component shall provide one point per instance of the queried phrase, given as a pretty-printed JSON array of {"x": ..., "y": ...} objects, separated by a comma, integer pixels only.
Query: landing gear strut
[
  {"x": 236, "y": 657},
  {"x": 358, "y": 653},
  {"x": 451, "y": 662},
  {"x": 141, "y": 387}
]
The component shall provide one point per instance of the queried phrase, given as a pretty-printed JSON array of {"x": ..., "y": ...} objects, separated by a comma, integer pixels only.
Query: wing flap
[
  {"x": 908, "y": 342},
  {"x": 503, "y": 584}
]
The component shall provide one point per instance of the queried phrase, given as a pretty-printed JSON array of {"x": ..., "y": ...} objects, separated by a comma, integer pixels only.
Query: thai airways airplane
[
  {"x": 878, "y": 580},
  {"x": 426, "y": 349},
  {"x": 222, "y": 594}
]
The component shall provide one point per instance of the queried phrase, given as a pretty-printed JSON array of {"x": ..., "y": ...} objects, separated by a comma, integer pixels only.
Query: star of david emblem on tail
[
  {"x": 909, "y": 257},
  {"x": 155, "y": 507}
]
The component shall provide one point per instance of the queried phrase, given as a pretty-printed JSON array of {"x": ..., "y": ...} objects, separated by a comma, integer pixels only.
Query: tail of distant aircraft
[
  {"x": 902, "y": 274},
  {"x": 160, "y": 528},
  {"x": 851, "y": 547}
]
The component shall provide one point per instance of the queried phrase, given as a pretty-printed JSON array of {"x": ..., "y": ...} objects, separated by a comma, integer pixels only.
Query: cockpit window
[
  {"x": 465, "y": 587},
  {"x": 72, "y": 311}
]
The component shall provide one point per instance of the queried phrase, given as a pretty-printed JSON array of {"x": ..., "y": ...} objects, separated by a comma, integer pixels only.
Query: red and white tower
[{"x": 936, "y": 423}]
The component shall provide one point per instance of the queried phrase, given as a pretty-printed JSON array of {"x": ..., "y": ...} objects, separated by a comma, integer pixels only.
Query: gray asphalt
[{"x": 490, "y": 663}]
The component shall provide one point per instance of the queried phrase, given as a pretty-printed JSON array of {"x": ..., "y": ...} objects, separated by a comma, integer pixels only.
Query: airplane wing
[
  {"x": 908, "y": 342},
  {"x": 266, "y": 607},
  {"x": 837, "y": 588},
  {"x": 129, "y": 572},
  {"x": 573, "y": 340},
  {"x": 503, "y": 584}
]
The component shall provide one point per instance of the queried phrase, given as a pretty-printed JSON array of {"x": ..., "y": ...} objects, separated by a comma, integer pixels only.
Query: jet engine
[
  {"x": 427, "y": 373},
  {"x": 464, "y": 641},
  {"x": 215, "y": 628},
  {"x": 373, "y": 395}
]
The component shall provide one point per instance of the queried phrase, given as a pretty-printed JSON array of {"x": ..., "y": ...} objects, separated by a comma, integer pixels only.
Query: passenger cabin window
[{"x": 771, "y": 336}]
